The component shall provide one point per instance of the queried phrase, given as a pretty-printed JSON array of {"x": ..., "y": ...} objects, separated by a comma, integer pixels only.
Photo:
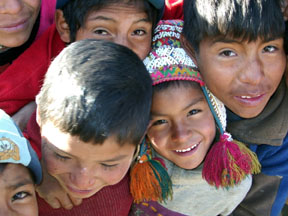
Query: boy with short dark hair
[
  {"x": 238, "y": 46},
  {"x": 129, "y": 23},
  {"x": 20, "y": 170},
  {"x": 93, "y": 111}
]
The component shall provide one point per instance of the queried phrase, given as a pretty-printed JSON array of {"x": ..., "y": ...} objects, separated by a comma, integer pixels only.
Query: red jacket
[{"x": 22, "y": 80}]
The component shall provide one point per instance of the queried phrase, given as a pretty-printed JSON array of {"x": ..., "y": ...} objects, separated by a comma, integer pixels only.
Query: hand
[
  {"x": 22, "y": 117},
  {"x": 52, "y": 192}
]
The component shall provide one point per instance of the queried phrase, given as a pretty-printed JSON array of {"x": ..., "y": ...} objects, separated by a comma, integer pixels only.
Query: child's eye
[
  {"x": 101, "y": 32},
  {"x": 159, "y": 122},
  {"x": 269, "y": 49},
  {"x": 20, "y": 195},
  {"x": 193, "y": 112},
  {"x": 139, "y": 32},
  {"x": 108, "y": 166},
  {"x": 227, "y": 53},
  {"x": 61, "y": 157}
]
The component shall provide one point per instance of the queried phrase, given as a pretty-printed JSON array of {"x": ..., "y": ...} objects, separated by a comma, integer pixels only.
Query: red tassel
[{"x": 227, "y": 163}]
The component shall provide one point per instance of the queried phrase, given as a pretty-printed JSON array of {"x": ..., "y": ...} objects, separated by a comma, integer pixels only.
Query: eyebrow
[
  {"x": 103, "y": 18},
  {"x": 20, "y": 184},
  {"x": 193, "y": 102}
]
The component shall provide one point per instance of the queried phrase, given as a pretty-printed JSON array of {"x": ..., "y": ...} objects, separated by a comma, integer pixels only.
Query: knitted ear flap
[
  {"x": 149, "y": 177},
  {"x": 228, "y": 161}
]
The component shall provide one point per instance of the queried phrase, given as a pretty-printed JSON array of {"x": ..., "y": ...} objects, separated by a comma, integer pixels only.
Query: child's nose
[
  {"x": 180, "y": 132},
  {"x": 10, "y": 6},
  {"x": 83, "y": 178},
  {"x": 253, "y": 71}
]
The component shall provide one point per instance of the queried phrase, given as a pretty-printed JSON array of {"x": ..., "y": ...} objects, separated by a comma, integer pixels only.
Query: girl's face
[
  {"x": 121, "y": 24},
  {"x": 82, "y": 169},
  {"x": 17, "y": 18},
  {"x": 182, "y": 126},
  {"x": 17, "y": 188}
]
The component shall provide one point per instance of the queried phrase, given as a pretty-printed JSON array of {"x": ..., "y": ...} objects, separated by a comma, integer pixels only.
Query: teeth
[
  {"x": 248, "y": 97},
  {"x": 245, "y": 97},
  {"x": 188, "y": 149}
]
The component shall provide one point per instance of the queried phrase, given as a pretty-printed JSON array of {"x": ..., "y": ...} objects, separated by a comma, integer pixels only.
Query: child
[
  {"x": 129, "y": 23},
  {"x": 21, "y": 22},
  {"x": 93, "y": 110},
  {"x": 238, "y": 46},
  {"x": 20, "y": 170},
  {"x": 183, "y": 133}
]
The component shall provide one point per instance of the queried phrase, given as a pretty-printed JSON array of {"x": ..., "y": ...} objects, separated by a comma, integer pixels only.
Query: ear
[
  {"x": 62, "y": 26},
  {"x": 188, "y": 48}
]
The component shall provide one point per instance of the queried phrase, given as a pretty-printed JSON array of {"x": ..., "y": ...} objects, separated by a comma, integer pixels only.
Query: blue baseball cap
[
  {"x": 15, "y": 148},
  {"x": 158, "y": 4}
]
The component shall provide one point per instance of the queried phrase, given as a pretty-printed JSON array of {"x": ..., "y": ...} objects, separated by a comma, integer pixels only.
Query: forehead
[
  {"x": 56, "y": 140},
  {"x": 116, "y": 10},
  {"x": 14, "y": 172}
]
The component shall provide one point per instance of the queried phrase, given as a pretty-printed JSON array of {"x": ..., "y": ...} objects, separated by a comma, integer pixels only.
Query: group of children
[{"x": 140, "y": 116}]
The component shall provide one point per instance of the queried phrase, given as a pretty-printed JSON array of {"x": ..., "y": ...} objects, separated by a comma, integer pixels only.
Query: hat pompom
[
  {"x": 228, "y": 162},
  {"x": 150, "y": 180}
]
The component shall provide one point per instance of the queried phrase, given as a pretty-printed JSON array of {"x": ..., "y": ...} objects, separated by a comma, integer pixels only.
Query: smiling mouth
[{"x": 187, "y": 150}]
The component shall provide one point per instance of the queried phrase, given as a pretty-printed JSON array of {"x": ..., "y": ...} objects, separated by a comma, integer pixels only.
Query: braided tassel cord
[
  {"x": 150, "y": 180},
  {"x": 228, "y": 163}
]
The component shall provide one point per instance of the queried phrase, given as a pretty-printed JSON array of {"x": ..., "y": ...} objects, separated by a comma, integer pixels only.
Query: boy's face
[
  {"x": 182, "y": 125},
  {"x": 17, "y": 19},
  {"x": 121, "y": 24},
  {"x": 242, "y": 75},
  {"x": 83, "y": 169},
  {"x": 17, "y": 192}
]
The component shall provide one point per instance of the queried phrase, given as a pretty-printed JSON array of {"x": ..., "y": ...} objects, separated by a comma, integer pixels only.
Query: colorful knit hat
[
  {"x": 228, "y": 161},
  {"x": 15, "y": 148}
]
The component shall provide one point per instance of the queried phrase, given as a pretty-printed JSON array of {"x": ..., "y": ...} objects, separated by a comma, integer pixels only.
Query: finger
[
  {"x": 76, "y": 201},
  {"x": 55, "y": 204},
  {"x": 66, "y": 203}
]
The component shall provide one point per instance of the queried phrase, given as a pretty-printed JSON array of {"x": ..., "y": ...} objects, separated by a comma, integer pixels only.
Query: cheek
[
  {"x": 53, "y": 165},
  {"x": 116, "y": 175},
  {"x": 142, "y": 49},
  {"x": 158, "y": 138}
]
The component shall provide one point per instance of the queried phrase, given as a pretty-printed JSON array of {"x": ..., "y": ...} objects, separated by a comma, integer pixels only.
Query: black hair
[
  {"x": 96, "y": 89},
  {"x": 244, "y": 20},
  {"x": 76, "y": 11}
]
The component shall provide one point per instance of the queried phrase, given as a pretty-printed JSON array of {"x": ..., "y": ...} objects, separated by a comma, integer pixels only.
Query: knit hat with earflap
[{"x": 228, "y": 161}]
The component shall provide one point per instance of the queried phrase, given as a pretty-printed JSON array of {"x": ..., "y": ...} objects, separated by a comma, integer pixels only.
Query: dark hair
[
  {"x": 245, "y": 20},
  {"x": 76, "y": 11},
  {"x": 96, "y": 89}
]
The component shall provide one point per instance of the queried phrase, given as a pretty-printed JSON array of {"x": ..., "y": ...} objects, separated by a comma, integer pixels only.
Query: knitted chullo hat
[{"x": 227, "y": 162}]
